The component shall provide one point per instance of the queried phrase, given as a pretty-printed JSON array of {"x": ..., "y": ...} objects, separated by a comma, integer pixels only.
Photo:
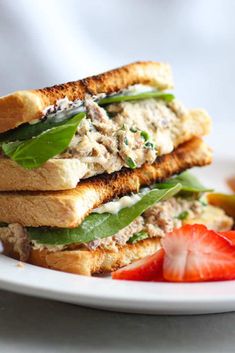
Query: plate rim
[{"x": 127, "y": 296}]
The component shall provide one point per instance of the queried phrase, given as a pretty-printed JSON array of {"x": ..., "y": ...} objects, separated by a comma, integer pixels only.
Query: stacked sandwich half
[{"x": 88, "y": 170}]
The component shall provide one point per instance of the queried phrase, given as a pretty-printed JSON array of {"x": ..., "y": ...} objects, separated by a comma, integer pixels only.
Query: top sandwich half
[{"x": 52, "y": 138}]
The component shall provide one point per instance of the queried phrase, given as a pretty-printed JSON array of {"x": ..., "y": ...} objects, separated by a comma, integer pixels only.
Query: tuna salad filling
[
  {"x": 155, "y": 222},
  {"x": 162, "y": 218},
  {"x": 105, "y": 133},
  {"x": 125, "y": 134},
  {"x": 150, "y": 213}
]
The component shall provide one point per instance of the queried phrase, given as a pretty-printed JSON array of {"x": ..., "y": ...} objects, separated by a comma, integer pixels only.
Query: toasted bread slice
[
  {"x": 85, "y": 262},
  {"x": 24, "y": 106},
  {"x": 64, "y": 174},
  {"x": 68, "y": 208}
]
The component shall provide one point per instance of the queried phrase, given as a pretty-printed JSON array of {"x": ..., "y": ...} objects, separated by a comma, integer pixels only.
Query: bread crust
[
  {"x": 24, "y": 106},
  {"x": 88, "y": 262},
  {"x": 68, "y": 208}
]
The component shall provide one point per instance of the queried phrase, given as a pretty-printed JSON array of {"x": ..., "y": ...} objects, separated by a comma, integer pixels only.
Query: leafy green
[
  {"x": 117, "y": 98},
  {"x": 27, "y": 131},
  {"x": 145, "y": 135},
  {"x": 36, "y": 151},
  {"x": 137, "y": 237},
  {"x": 188, "y": 182},
  {"x": 31, "y": 145},
  {"x": 131, "y": 163},
  {"x": 183, "y": 215},
  {"x": 149, "y": 145},
  {"x": 98, "y": 226}
]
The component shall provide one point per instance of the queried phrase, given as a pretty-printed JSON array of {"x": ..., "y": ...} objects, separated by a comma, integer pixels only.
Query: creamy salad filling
[
  {"x": 158, "y": 220},
  {"x": 163, "y": 217},
  {"x": 125, "y": 201},
  {"x": 125, "y": 134},
  {"x": 106, "y": 132}
]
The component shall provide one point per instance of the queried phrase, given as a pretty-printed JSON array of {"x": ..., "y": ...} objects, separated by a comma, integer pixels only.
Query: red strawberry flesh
[
  {"x": 194, "y": 253},
  {"x": 146, "y": 269},
  {"x": 229, "y": 235}
]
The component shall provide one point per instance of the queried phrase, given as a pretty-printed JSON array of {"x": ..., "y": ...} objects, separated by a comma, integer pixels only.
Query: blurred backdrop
[{"x": 43, "y": 42}]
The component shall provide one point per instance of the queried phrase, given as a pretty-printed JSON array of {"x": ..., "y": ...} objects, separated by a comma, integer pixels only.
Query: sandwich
[
  {"x": 54, "y": 137},
  {"x": 94, "y": 172}
]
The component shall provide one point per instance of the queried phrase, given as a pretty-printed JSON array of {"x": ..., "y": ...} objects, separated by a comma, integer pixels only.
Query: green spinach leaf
[
  {"x": 98, "y": 226},
  {"x": 27, "y": 131},
  {"x": 117, "y": 98},
  {"x": 183, "y": 215},
  {"x": 188, "y": 182},
  {"x": 33, "y": 153},
  {"x": 131, "y": 163},
  {"x": 137, "y": 237}
]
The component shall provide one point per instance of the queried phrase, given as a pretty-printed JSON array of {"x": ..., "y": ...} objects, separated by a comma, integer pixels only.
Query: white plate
[{"x": 136, "y": 297}]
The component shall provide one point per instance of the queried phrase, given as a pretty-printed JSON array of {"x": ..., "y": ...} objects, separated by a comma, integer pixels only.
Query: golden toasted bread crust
[
  {"x": 69, "y": 208},
  {"x": 85, "y": 262},
  {"x": 25, "y": 106}
]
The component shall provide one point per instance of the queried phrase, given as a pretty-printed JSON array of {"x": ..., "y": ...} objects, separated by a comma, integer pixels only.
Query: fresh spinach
[
  {"x": 27, "y": 131},
  {"x": 99, "y": 226},
  {"x": 33, "y": 153},
  {"x": 188, "y": 182},
  {"x": 31, "y": 145},
  {"x": 131, "y": 163},
  {"x": 183, "y": 215},
  {"x": 118, "y": 98},
  {"x": 145, "y": 135},
  {"x": 137, "y": 237}
]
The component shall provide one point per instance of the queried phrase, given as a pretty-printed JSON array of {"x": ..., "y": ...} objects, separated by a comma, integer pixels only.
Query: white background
[{"x": 43, "y": 42}]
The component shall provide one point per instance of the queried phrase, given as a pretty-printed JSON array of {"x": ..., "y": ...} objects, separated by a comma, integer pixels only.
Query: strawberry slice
[
  {"x": 194, "y": 253},
  {"x": 146, "y": 269},
  {"x": 229, "y": 235}
]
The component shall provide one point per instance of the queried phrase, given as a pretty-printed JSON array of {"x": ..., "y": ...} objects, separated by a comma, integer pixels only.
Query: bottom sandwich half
[
  {"x": 112, "y": 252},
  {"x": 106, "y": 241},
  {"x": 89, "y": 262},
  {"x": 127, "y": 226}
]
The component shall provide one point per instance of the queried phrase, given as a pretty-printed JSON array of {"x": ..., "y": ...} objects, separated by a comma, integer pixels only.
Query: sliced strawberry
[
  {"x": 146, "y": 269},
  {"x": 194, "y": 253},
  {"x": 229, "y": 235}
]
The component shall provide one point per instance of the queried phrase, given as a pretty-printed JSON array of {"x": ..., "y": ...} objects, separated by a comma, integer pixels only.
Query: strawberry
[
  {"x": 194, "y": 253},
  {"x": 229, "y": 235},
  {"x": 146, "y": 269}
]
